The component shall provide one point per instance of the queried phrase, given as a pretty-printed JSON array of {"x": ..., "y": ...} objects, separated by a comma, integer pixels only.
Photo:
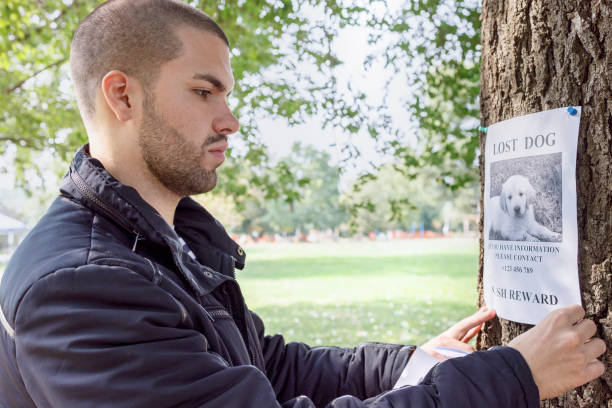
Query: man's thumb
[{"x": 460, "y": 330}]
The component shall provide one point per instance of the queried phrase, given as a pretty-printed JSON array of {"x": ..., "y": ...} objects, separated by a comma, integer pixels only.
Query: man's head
[{"x": 152, "y": 78}]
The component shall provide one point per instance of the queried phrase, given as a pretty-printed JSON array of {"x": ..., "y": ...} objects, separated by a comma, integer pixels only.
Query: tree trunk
[{"x": 544, "y": 54}]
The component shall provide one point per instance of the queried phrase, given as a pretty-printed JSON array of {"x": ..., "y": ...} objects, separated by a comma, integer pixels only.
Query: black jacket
[{"x": 102, "y": 307}]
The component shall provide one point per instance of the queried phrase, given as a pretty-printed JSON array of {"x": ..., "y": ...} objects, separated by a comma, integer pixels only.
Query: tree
[
  {"x": 284, "y": 66},
  {"x": 544, "y": 54},
  {"x": 389, "y": 199},
  {"x": 311, "y": 202},
  {"x": 281, "y": 57}
]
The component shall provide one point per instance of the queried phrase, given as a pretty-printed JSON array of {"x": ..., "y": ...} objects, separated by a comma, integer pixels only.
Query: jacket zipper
[
  {"x": 218, "y": 313},
  {"x": 237, "y": 303},
  {"x": 86, "y": 191}
]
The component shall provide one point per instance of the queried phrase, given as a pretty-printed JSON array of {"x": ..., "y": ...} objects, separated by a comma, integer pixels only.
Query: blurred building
[{"x": 11, "y": 232}]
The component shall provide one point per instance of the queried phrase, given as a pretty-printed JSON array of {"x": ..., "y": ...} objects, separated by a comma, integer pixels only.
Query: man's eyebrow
[{"x": 212, "y": 79}]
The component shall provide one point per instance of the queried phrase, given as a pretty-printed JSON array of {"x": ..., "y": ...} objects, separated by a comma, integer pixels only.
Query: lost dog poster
[{"x": 530, "y": 227}]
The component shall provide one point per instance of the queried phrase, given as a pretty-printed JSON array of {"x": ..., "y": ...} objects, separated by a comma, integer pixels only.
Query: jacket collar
[
  {"x": 198, "y": 227},
  {"x": 88, "y": 182}
]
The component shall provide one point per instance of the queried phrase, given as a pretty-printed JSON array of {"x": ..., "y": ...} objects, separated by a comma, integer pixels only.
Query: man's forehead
[{"x": 204, "y": 56}]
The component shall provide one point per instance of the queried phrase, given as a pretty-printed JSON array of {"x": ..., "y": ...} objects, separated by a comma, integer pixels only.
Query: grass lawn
[{"x": 342, "y": 294}]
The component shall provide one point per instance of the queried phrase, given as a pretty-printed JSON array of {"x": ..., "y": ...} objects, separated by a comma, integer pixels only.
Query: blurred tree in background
[
  {"x": 285, "y": 67},
  {"x": 435, "y": 45},
  {"x": 393, "y": 201},
  {"x": 315, "y": 202},
  {"x": 387, "y": 202},
  {"x": 316, "y": 205}
]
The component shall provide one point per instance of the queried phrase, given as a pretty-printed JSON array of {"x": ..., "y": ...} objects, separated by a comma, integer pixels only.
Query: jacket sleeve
[
  {"x": 104, "y": 336},
  {"x": 325, "y": 373},
  {"x": 360, "y": 377},
  {"x": 498, "y": 377}
]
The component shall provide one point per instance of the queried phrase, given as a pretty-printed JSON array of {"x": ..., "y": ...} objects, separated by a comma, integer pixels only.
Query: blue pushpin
[
  {"x": 483, "y": 129},
  {"x": 572, "y": 111}
]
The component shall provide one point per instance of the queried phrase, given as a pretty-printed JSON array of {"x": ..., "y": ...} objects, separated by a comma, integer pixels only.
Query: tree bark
[{"x": 544, "y": 54}]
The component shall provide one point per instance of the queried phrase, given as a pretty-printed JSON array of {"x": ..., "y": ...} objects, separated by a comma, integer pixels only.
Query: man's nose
[{"x": 226, "y": 123}]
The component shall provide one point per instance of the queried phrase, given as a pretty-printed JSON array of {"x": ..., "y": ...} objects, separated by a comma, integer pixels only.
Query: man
[{"x": 124, "y": 295}]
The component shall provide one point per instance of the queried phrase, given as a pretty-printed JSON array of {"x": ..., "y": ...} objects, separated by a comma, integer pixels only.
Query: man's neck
[
  {"x": 158, "y": 197},
  {"x": 135, "y": 173}
]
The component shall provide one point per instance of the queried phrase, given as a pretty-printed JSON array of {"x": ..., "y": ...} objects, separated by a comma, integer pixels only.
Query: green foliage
[
  {"x": 438, "y": 48},
  {"x": 301, "y": 193},
  {"x": 38, "y": 113},
  {"x": 392, "y": 200},
  {"x": 285, "y": 67},
  {"x": 282, "y": 61}
]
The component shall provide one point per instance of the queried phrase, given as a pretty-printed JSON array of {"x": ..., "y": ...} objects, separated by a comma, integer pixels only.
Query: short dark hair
[{"x": 134, "y": 36}]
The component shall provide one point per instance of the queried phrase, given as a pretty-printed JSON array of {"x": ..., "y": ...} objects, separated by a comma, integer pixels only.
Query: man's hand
[
  {"x": 458, "y": 335},
  {"x": 561, "y": 352}
]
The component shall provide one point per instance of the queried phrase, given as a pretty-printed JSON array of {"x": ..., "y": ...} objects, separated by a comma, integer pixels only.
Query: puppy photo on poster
[{"x": 526, "y": 199}]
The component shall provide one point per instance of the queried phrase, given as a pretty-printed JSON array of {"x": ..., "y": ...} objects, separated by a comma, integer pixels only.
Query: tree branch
[
  {"x": 41, "y": 28},
  {"x": 20, "y": 83},
  {"x": 19, "y": 142}
]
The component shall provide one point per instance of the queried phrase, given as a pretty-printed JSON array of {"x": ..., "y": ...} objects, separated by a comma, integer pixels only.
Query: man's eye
[
  {"x": 509, "y": 197},
  {"x": 202, "y": 92},
  {"x": 520, "y": 194}
]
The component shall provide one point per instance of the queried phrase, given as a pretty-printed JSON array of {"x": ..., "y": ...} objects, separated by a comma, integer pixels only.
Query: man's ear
[
  {"x": 503, "y": 198},
  {"x": 116, "y": 94}
]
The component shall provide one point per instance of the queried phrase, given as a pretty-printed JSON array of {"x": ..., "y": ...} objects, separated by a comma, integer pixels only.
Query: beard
[{"x": 171, "y": 158}]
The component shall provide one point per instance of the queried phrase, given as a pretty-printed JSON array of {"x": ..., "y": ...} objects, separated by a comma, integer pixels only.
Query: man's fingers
[
  {"x": 471, "y": 333},
  {"x": 593, "y": 370},
  {"x": 586, "y": 328},
  {"x": 594, "y": 348},
  {"x": 459, "y": 330},
  {"x": 573, "y": 313}
]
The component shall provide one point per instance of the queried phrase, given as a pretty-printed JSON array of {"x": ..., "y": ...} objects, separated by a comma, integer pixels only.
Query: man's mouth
[{"x": 217, "y": 150}]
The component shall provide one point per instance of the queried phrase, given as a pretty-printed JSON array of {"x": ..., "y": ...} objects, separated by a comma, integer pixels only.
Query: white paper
[
  {"x": 417, "y": 368},
  {"x": 530, "y": 225},
  {"x": 421, "y": 362}
]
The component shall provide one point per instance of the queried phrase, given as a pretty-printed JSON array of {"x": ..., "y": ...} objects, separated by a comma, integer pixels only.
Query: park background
[{"x": 357, "y": 223}]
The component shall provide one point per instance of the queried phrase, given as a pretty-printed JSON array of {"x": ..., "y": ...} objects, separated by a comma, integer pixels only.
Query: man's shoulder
[{"x": 69, "y": 235}]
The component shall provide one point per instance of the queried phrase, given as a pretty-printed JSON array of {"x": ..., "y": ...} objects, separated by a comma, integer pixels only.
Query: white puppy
[{"x": 511, "y": 213}]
